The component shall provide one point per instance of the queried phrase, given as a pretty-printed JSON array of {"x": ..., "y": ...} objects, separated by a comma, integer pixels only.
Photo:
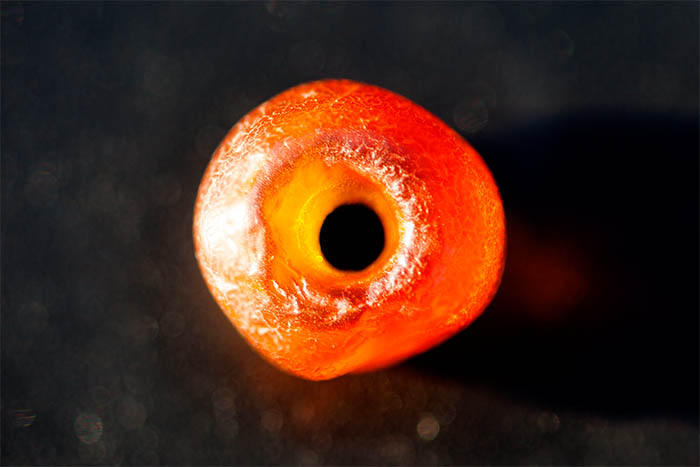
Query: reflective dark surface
[{"x": 114, "y": 352}]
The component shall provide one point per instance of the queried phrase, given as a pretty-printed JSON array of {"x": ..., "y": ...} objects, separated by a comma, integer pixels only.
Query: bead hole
[{"x": 352, "y": 237}]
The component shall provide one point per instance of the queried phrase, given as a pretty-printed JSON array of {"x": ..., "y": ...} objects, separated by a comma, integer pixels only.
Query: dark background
[{"x": 113, "y": 351}]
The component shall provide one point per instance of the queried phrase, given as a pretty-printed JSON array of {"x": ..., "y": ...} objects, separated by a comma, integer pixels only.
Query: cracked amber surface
[{"x": 285, "y": 167}]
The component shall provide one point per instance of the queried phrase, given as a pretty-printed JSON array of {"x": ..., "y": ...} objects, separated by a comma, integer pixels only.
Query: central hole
[{"x": 352, "y": 237}]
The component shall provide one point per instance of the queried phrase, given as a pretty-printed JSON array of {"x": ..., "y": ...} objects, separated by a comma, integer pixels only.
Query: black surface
[{"x": 113, "y": 351}]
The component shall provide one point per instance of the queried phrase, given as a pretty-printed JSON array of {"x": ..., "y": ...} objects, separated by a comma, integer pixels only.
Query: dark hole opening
[{"x": 352, "y": 237}]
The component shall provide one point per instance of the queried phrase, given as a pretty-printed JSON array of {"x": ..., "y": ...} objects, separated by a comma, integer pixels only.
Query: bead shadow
[{"x": 598, "y": 307}]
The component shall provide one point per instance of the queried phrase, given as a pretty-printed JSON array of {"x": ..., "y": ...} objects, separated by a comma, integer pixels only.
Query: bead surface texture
[{"x": 292, "y": 161}]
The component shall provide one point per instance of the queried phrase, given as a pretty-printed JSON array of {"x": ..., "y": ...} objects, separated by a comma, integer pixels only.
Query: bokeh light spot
[
  {"x": 428, "y": 428},
  {"x": 88, "y": 428}
]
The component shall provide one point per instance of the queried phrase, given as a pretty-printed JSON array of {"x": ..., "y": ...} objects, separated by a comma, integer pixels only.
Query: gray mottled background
[{"x": 113, "y": 351}]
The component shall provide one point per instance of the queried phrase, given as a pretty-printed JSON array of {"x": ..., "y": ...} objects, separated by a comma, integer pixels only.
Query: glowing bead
[{"x": 291, "y": 162}]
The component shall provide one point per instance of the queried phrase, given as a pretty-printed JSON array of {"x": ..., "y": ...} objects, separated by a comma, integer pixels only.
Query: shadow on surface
[{"x": 598, "y": 307}]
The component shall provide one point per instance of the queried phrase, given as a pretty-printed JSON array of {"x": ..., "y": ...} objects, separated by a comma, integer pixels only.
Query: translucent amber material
[{"x": 289, "y": 163}]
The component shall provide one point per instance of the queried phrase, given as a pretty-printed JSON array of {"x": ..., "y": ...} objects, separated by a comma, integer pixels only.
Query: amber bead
[{"x": 293, "y": 160}]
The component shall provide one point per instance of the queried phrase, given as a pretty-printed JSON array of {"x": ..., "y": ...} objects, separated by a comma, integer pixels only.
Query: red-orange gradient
[{"x": 285, "y": 166}]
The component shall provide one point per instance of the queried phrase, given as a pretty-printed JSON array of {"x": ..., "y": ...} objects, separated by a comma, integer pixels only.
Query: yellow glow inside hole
[{"x": 296, "y": 204}]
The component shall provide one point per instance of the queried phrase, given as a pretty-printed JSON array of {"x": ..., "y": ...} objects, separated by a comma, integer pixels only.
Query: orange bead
[{"x": 291, "y": 162}]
